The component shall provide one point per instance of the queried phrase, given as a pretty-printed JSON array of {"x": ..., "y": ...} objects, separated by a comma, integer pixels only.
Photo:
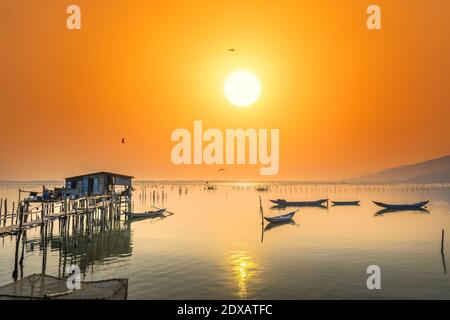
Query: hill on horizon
[{"x": 430, "y": 171}]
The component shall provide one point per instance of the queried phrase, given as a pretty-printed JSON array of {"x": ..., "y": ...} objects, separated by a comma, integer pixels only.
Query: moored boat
[
  {"x": 345, "y": 203},
  {"x": 417, "y": 205},
  {"x": 282, "y": 202},
  {"x": 146, "y": 214},
  {"x": 282, "y": 218}
]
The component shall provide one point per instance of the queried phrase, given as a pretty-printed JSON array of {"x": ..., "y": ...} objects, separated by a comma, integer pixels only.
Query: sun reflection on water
[{"x": 245, "y": 269}]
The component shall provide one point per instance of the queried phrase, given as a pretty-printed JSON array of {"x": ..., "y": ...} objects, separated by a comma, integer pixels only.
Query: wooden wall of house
[{"x": 102, "y": 183}]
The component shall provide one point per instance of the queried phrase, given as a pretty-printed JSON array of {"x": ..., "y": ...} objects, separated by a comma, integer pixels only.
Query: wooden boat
[
  {"x": 417, "y": 205},
  {"x": 345, "y": 203},
  {"x": 210, "y": 186},
  {"x": 146, "y": 214},
  {"x": 282, "y": 202},
  {"x": 45, "y": 287},
  {"x": 282, "y": 218}
]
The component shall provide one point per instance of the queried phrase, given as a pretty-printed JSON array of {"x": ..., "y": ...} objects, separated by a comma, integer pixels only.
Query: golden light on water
[{"x": 244, "y": 269}]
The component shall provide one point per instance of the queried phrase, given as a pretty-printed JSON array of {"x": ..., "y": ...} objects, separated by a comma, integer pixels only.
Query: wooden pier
[{"x": 30, "y": 215}]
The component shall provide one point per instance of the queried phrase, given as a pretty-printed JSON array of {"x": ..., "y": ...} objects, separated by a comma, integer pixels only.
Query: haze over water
[{"x": 214, "y": 246}]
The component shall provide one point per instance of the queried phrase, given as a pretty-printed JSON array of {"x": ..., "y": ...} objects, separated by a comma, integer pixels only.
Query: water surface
[{"x": 215, "y": 246}]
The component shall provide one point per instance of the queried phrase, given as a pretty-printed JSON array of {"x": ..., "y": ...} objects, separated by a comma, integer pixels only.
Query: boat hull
[
  {"x": 299, "y": 203},
  {"x": 148, "y": 214},
  {"x": 282, "y": 218},
  {"x": 345, "y": 203}
]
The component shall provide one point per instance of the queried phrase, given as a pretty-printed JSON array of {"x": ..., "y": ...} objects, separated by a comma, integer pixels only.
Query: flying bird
[
  {"x": 221, "y": 169},
  {"x": 231, "y": 50},
  {"x": 123, "y": 140}
]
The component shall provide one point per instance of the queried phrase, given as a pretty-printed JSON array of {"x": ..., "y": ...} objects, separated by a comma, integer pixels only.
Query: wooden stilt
[{"x": 442, "y": 252}]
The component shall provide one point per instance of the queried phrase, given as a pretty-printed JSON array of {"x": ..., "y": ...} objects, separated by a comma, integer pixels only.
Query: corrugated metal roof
[{"x": 99, "y": 174}]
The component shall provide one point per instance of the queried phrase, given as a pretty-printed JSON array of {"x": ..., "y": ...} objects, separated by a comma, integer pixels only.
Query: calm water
[{"x": 214, "y": 246}]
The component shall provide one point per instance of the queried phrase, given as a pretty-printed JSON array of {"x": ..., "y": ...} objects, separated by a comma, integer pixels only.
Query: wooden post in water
[
  {"x": 19, "y": 235},
  {"x": 262, "y": 219},
  {"x": 64, "y": 208},
  {"x": 442, "y": 252},
  {"x": 22, "y": 256},
  {"x": 12, "y": 212},
  {"x": 44, "y": 250},
  {"x": 24, "y": 236},
  {"x": 43, "y": 209},
  {"x": 18, "y": 204},
  {"x": 6, "y": 209}
]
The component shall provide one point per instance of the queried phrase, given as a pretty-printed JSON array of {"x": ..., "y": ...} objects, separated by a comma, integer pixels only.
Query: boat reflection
[
  {"x": 87, "y": 251},
  {"x": 273, "y": 225},
  {"x": 385, "y": 211},
  {"x": 86, "y": 245}
]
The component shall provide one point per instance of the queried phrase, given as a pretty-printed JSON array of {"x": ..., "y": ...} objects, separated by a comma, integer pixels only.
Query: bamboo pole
[
  {"x": 16, "y": 256},
  {"x": 43, "y": 209},
  {"x": 442, "y": 251},
  {"x": 12, "y": 211},
  {"x": 262, "y": 219},
  {"x": 18, "y": 201},
  {"x": 6, "y": 209}
]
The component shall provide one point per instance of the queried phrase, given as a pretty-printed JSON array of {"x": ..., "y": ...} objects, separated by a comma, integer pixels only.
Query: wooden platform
[{"x": 13, "y": 229}]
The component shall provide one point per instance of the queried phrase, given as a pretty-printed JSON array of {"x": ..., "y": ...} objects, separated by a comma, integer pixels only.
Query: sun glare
[{"x": 242, "y": 88}]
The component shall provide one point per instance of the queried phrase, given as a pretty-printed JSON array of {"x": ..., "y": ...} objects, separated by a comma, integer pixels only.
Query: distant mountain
[
  {"x": 431, "y": 171},
  {"x": 434, "y": 177}
]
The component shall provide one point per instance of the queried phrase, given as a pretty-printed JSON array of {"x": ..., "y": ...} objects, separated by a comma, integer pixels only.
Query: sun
[{"x": 242, "y": 88}]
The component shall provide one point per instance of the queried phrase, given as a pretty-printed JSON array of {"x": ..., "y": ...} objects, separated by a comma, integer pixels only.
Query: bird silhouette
[
  {"x": 221, "y": 169},
  {"x": 123, "y": 140},
  {"x": 231, "y": 50}
]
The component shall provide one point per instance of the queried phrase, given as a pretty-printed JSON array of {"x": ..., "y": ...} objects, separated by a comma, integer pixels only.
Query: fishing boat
[
  {"x": 146, "y": 214},
  {"x": 284, "y": 203},
  {"x": 345, "y": 203},
  {"x": 411, "y": 206},
  {"x": 282, "y": 218},
  {"x": 209, "y": 186}
]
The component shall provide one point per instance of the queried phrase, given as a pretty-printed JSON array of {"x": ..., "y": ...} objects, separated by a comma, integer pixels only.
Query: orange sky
[{"x": 347, "y": 100}]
